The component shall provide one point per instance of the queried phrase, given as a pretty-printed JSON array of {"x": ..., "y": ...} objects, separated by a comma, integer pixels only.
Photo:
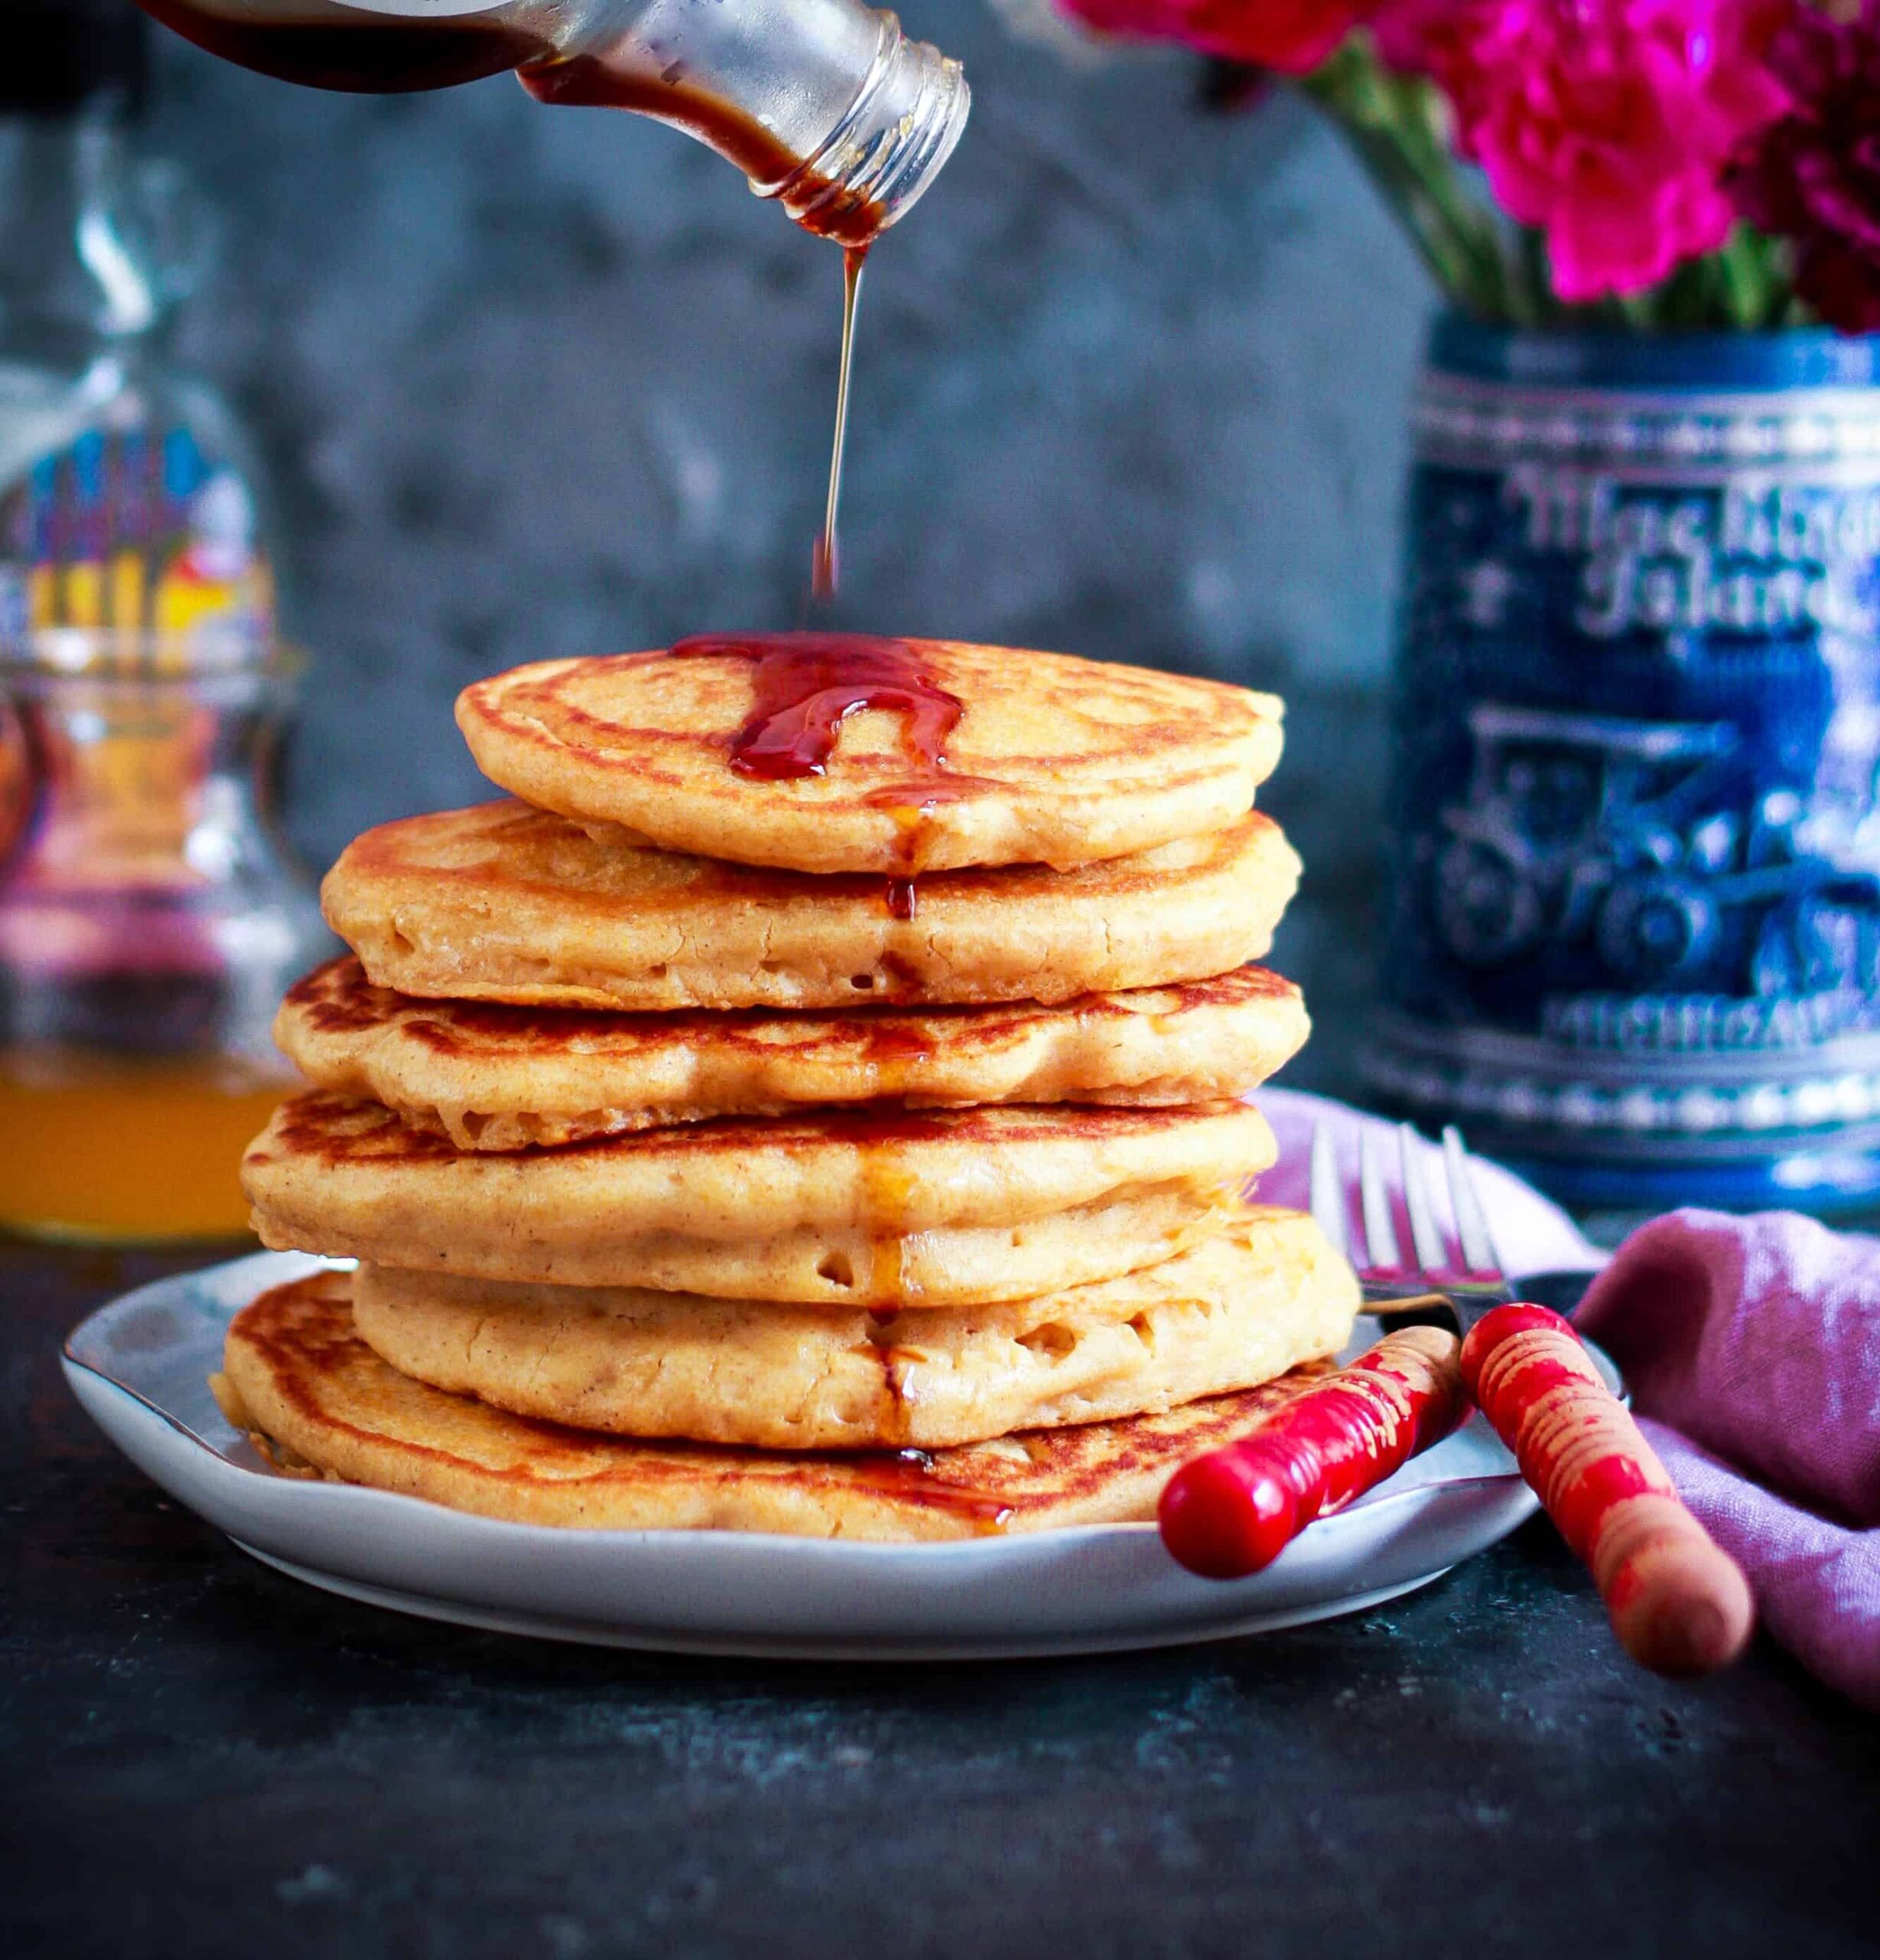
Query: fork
[{"x": 1678, "y": 1603}]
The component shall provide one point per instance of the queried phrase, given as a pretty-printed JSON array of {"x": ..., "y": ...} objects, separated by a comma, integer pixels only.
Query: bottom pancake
[
  {"x": 321, "y": 1404},
  {"x": 1232, "y": 1311}
]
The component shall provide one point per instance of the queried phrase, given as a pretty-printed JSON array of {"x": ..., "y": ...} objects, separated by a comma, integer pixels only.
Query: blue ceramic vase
[{"x": 1633, "y": 935}]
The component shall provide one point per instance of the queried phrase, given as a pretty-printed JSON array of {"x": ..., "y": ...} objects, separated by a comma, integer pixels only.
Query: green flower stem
[
  {"x": 1754, "y": 278},
  {"x": 1537, "y": 276}
]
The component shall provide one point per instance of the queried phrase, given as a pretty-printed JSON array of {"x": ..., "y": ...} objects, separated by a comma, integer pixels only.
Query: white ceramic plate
[{"x": 140, "y": 1366}]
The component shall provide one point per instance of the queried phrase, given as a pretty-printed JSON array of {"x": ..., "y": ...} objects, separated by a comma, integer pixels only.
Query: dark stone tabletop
[{"x": 206, "y": 1758}]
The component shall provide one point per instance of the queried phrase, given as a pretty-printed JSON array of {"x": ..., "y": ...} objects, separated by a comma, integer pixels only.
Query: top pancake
[{"x": 1054, "y": 760}]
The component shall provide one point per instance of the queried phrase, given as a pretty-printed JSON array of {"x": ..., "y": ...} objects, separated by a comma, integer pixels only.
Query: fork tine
[
  {"x": 1432, "y": 1254},
  {"x": 1374, "y": 1196},
  {"x": 1328, "y": 1191},
  {"x": 1472, "y": 1224}
]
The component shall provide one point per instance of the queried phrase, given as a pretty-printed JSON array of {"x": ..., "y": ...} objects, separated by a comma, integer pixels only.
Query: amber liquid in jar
[{"x": 101, "y": 1147}]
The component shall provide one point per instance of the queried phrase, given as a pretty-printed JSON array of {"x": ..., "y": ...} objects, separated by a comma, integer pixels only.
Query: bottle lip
[{"x": 876, "y": 164}]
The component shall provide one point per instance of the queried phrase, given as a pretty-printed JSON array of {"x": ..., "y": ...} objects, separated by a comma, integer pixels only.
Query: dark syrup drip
[
  {"x": 807, "y": 684},
  {"x": 912, "y": 1475},
  {"x": 878, "y": 1133},
  {"x": 903, "y": 900},
  {"x": 897, "y": 1052}
]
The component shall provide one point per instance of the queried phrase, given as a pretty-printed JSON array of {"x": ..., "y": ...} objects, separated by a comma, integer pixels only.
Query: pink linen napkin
[{"x": 1752, "y": 1348}]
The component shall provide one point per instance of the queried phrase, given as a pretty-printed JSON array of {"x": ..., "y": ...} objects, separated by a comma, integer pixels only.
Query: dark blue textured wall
[{"x": 542, "y": 381}]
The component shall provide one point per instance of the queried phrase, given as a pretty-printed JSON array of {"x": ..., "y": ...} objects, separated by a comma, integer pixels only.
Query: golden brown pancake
[
  {"x": 1055, "y": 760},
  {"x": 897, "y": 1208},
  {"x": 505, "y": 1078},
  {"x": 502, "y": 903},
  {"x": 1230, "y": 1312},
  {"x": 297, "y": 1376}
]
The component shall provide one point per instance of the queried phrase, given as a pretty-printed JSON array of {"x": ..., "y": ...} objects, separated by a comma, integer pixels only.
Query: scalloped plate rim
[{"x": 1080, "y": 1589}]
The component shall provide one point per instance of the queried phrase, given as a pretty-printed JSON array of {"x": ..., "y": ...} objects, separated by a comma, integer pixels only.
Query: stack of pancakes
[{"x": 860, "y": 1152}]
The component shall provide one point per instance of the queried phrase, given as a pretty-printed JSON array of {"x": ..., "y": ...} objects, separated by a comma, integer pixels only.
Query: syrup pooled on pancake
[
  {"x": 806, "y": 685},
  {"x": 1038, "y": 758}
]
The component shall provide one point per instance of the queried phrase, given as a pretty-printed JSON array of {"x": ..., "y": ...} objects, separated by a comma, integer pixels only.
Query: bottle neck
[
  {"x": 886, "y": 148},
  {"x": 71, "y": 274},
  {"x": 825, "y": 105}
]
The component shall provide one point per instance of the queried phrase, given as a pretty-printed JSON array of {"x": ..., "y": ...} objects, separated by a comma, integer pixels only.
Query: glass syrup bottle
[{"x": 824, "y": 104}]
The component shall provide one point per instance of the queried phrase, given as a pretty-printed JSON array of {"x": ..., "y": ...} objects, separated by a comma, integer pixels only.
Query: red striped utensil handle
[
  {"x": 1233, "y": 1510},
  {"x": 1679, "y": 1603}
]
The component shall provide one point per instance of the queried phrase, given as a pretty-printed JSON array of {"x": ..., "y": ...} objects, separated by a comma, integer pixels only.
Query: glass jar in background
[
  {"x": 148, "y": 919},
  {"x": 149, "y": 925}
]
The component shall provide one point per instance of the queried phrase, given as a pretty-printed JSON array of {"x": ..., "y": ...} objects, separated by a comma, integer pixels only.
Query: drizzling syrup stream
[
  {"x": 825, "y": 568},
  {"x": 804, "y": 687}
]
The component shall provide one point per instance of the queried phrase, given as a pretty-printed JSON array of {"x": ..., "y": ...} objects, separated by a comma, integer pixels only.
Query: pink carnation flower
[
  {"x": 1292, "y": 36},
  {"x": 1606, "y": 123}
]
